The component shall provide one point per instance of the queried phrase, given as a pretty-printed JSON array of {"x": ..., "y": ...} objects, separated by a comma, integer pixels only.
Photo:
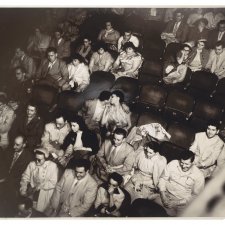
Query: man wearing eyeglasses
[{"x": 39, "y": 180}]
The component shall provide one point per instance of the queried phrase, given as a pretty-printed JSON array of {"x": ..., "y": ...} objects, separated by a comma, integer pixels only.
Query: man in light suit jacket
[
  {"x": 178, "y": 28},
  {"x": 52, "y": 71},
  {"x": 92, "y": 110},
  {"x": 62, "y": 46},
  {"x": 75, "y": 193},
  {"x": 216, "y": 63},
  {"x": 115, "y": 155},
  {"x": 217, "y": 35}
]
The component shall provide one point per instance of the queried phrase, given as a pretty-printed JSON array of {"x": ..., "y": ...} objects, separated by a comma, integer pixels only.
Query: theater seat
[
  {"x": 171, "y": 151},
  {"x": 205, "y": 111},
  {"x": 43, "y": 94},
  {"x": 181, "y": 135},
  {"x": 219, "y": 93},
  {"x": 202, "y": 84},
  {"x": 152, "y": 97},
  {"x": 150, "y": 72},
  {"x": 146, "y": 118},
  {"x": 179, "y": 106},
  {"x": 129, "y": 86}
]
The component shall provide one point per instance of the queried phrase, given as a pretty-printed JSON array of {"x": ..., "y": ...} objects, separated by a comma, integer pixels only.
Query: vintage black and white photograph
[{"x": 110, "y": 112}]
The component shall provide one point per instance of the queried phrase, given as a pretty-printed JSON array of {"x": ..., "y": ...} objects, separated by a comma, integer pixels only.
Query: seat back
[
  {"x": 179, "y": 105},
  {"x": 129, "y": 86},
  {"x": 146, "y": 118},
  {"x": 153, "y": 96},
  {"x": 181, "y": 135},
  {"x": 202, "y": 83}
]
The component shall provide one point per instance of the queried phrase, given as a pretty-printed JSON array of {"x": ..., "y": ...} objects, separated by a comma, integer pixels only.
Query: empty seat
[
  {"x": 151, "y": 71},
  {"x": 129, "y": 86},
  {"x": 202, "y": 84},
  {"x": 71, "y": 101},
  {"x": 152, "y": 96},
  {"x": 171, "y": 151},
  {"x": 181, "y": 135},
  {"x": 43, "y": 94},
  {"x": 203, "y": 112},
  {"x": 179, "y": 106},
  {"x": 146, "y": 118},
  {"x": 219, "y": 93}
]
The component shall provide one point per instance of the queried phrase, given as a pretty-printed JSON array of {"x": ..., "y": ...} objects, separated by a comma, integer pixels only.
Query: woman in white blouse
[{"x": 79, "y": 77}]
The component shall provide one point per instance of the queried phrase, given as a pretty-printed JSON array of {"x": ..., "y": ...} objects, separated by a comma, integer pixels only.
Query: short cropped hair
[
  {"x": 117, "y": 177},
  {"x": 185, "y": 155},
  {"x": 104, "y": 95},
  {"x": 152, "y": 145},
  {"x": 213, "y": 123},
  {"x": 120, "y": 131},
  {"x": 51, "y": 49},
  {"x": 82, "y": 163}
]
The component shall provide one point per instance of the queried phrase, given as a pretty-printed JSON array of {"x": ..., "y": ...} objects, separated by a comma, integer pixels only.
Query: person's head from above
[
  {"x": 20, "y": 73},
  {"x": 115, "y": 180},
  {"x": 37, "y": 31},
  {"x": 41, "y": 155},
  {"x": 108, "y": 25},
  {"x": 117, "y": 97},
  {"x": 201, "y": 44},
  {"x": 199, "y": 11},
  {"x": 104, "y": 97},
  {"x": 77, "y": 59},
  {"x": 31, "y": 110},
  {"x": 60, "y": 120},
  {"x": 186, "y": 160},
  {"x": 212, "y": 129},
  {"x": 58, "y": 34},
  {"x": 52, "y": 54},
  {"x": 19, "y": 143},
  {"x": 19, "y": 52},
  {"x": 86, "y": 41},
  {"x": 77, "y": 124},
  {"x": 150, "y": 149},
  {"x": 221, "y": 25},
  {"x": 81, "y": 168},
  {"x": 129, "y": 47},
  {"x": 202, "y": 23},
  {"x": 101, "y": 48},
  {"x": 119, "y": 136},
  {"x": 178, "y": 15},
  {"x": 24, "y": 206},
  {"x": 127, "y": 34},
  {"x": 3, "y": 99},
  {"x": 219, "y": 47}
]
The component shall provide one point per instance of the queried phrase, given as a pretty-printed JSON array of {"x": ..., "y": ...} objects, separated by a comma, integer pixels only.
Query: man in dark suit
[
  {"x": 30, "y": 125},
  {"x": 25, "y": 209},
  {"x": 176, "y": 30},
  {"x": 16, "y": 162},
  {"x": 52, "y": 71},
  {"x": 23, "y": 60},
  {"x": 217, "y": 35},
  {"x": 62, "y": 46}
]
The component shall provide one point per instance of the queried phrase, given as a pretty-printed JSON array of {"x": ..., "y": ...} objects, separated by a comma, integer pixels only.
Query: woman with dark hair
[
  {"x": 79, "y": 77},
  {"x": 101, "y": 60},
  {"x": 80, "y": 142},
  {"x": 128, "y": 62},
  {"x": 117, "y": 114},
  {"x": 149, "y": 165},
  {"x": 85, "y": 49}
]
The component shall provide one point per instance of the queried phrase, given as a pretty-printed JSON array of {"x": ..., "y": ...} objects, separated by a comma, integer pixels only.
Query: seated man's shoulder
[
  {"x": 128, "y": 147},
  {"x": 50, "y": 126}
]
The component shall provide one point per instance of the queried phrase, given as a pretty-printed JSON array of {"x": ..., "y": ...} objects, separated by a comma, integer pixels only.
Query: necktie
[
  {"x": 112, "y": 153},
  {"x": 15, "y": 157},
  {"x": 220, "y": 36},
  {"x": 175, "y": 28}
]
